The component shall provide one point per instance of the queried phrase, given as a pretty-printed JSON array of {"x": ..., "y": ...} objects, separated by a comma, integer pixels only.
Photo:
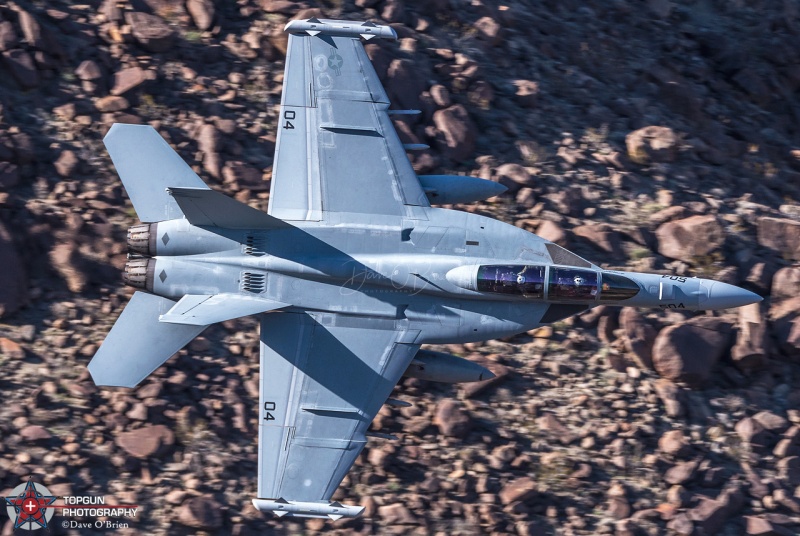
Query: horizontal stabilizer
[
  {"x": 206, "y": 309},
  {"x": 138, "y": 343},
  {"x": 209, "y": 208},
  {"x": 147, "y": 166}
]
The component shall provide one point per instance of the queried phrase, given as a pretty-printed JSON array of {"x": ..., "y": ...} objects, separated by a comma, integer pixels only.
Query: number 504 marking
[
  {"x": 269, "y": 407},
  {"x": 288, "y": 116}
]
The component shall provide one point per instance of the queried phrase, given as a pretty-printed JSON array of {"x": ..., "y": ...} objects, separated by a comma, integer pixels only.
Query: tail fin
[
  {"x": 138, "y": 343},
  {"x": 147, "y": 166}
]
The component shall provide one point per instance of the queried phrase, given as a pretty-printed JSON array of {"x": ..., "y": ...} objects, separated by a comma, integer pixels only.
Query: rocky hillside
[{"x": 657, "y": 135}]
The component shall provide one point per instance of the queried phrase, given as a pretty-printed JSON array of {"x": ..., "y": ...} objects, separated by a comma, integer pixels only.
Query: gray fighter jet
[{"x": 351, "y": 270}]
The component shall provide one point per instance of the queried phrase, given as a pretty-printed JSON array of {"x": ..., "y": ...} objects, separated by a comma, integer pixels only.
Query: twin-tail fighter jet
[{"x": 351, "y": 270}]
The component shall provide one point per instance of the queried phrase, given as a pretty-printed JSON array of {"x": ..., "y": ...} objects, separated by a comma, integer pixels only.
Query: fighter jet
[{"x": 351, "y": 270}]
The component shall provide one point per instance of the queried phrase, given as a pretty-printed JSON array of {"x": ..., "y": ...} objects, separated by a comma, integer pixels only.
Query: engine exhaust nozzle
[
  {"x": 139, "y": 273},
  {"x": 142, "y": 239}
]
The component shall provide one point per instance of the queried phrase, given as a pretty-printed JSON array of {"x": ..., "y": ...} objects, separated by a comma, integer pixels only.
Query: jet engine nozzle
[
  {"x": 141, "y": 239},
  {"x": 139, "y": 273}
]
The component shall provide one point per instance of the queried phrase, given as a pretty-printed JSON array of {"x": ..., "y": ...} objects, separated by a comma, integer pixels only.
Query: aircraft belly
[
  {"x": 360, "y": 298},
  {"x": 491, "y": 320},
  {"x": 439, "y": 319},
  {"x": 175, "y": 277}
]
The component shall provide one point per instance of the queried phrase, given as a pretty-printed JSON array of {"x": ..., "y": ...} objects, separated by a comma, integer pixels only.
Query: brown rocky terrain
[{"x": 656, "y": 135}]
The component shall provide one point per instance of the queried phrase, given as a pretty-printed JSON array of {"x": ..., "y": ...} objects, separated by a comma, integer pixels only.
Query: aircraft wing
[
  {"x": 324, "y": 377},
  {"x": 337, "y": 149}
]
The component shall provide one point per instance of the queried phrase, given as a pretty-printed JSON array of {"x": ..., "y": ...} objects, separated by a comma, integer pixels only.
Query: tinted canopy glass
[
  {"x": 519, "y": 280},
  {"x": 617, "y": 287},
  {"x": 572, "y": 284}
]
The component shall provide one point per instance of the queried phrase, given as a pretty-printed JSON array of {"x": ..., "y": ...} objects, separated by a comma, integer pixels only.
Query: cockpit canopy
[
  {"x": 561, "y": 284},
  {"x": 572, "y": 284},
  {"x": 525, "y": 280},
  {"x": 617, "y": 287}
]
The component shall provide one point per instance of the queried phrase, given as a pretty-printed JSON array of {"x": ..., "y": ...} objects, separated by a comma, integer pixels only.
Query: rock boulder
[
  {"x": 687, "y": 352},
  {"x": 690, "y": 238},
  {"x": 652, "y": 144},
  {"x": 458, "y": 132},
  {"x": 780, "y": 234}
]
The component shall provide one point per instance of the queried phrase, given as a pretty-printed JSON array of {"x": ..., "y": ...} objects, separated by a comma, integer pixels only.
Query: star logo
[
  {"x": 28, "y": 506},
  {"x": 335, "y": 62}
]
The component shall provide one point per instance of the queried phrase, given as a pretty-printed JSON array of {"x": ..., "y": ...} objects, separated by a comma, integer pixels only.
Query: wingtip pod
[
  {"x": 316, "y": 509},
  {"x": 344, "y": 28}
]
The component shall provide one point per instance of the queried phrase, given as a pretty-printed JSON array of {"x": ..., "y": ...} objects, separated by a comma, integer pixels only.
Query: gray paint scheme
[
  {"x": 138, "y": 343},
  {"x": 147, "y": 165},
  {"x": 340, "y": 135},
  {"x": 323, "y": 412},
  {"x": 355, "y": 268}
]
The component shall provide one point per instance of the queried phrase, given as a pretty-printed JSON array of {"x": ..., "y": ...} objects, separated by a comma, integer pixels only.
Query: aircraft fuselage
[{"x": 454, "y": 284}]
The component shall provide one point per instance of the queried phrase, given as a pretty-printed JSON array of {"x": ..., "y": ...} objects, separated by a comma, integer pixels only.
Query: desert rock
[
  {"x": 452, "y": 419},
  {"x": 652, "y": 144},
  {"x": 640, "y": 336},
  {"x": 151, "y": 31},
  {"x": 781, "y": 235},
  {"x": 458, "y": 132},
  {"x": 690, "y": 238},
  {"x": 687, "y": 352},
  {"x": 201, "y": 513},
  {"x": 145, "y": 442},
  {"x": 202, "y": 12}
]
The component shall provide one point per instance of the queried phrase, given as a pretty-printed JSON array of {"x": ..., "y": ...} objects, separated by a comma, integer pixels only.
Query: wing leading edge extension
[
  {"x": 323, "y": 379},
  {"x": 206, "y": 309},
  {"x": 337, "y": 146}
]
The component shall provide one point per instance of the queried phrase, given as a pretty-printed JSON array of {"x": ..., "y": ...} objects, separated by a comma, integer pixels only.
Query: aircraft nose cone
[{"x": 725, "y": 296}]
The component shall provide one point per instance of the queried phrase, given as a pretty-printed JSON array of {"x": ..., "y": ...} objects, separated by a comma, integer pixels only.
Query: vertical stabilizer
[{"x": 147, "y": 166}]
